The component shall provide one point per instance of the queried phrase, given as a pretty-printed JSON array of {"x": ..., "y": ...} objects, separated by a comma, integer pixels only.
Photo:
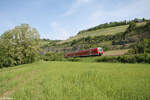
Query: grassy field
[{"x": 76, "y": 81}]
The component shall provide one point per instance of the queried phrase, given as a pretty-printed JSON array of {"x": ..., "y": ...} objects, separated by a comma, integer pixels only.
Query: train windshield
[{"x": 100, "y": 49}]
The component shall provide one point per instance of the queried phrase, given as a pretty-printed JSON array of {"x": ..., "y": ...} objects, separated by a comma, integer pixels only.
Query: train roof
[{"x": 84, "y": 50}]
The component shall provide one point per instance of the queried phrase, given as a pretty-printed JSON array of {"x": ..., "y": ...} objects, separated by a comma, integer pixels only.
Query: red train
[{"x": 90, "y": 52}]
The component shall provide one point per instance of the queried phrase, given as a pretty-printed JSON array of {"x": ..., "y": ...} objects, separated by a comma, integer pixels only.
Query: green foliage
[
  {"x": 140, "y": 58},
  {"x": 147, "y": 26},
  {"x": 73, "y": 42},
  {"x": 73, "y": 59},
  {"x": 142, "y": 46},
  {"x": 107, "y": 59},
  {"x": 52, "y": 56},
  {"x": 127, "y": 59},
  {"x": 131, "y": 27},
  {"x": 105, "y": 48},
  {"x": 19, "y": 46},
  {"x": 143, "y": 58}
]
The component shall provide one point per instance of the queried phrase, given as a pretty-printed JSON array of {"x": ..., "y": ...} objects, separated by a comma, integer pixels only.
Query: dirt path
[
  {"x": 21, "y": 83},
  {"x": 115, "y": 52}
]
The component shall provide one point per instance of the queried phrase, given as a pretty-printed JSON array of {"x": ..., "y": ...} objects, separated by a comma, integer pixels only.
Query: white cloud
[
  {"x": 75, "y": 5},
  {"x": 137, "y": 8},
  {"x": 99, "y": 14},
  {"x": 59, "y": 32}
]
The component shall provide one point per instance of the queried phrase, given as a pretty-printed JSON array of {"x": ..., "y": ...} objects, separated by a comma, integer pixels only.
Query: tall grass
[{"x": 77, "y": 81}]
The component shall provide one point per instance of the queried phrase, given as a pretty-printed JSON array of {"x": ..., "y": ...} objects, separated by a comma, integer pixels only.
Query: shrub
[
  {"x": 140, "y": 58},
  {"x": 127, "y": 59},
  {"x": 147, "y": 26},
  {"x": 52, "y": 56},
  {"x": 73, "y": 59},
  {"x": 148, "y": 59},
  {"x": 9, "y": 62},
  {"x": 107, "y": 59},
  {"x": 141, "y": 47}
]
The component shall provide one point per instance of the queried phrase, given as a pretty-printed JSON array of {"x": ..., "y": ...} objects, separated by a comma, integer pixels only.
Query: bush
[
  {"x": 147, "y": 26},
  {"x": 107, "y": 59},
  {"x": 148, "y": 59},
  {"x": 141, "y": 47},
  {"x": 73, "y": 59},
  {"x": 140, "y": 58},
  {"x": 127, "y": 59},
  {"x": 52, "y": 56}
]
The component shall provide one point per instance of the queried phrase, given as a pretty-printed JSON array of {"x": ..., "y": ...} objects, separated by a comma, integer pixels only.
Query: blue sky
[{"x": 61, "y": 19}]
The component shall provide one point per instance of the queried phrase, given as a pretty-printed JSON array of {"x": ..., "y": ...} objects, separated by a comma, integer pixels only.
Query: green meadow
[{"x": 76, "y": 81}]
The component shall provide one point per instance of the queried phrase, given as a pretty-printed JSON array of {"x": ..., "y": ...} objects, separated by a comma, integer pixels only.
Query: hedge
[{"x": 139, "y": 58}]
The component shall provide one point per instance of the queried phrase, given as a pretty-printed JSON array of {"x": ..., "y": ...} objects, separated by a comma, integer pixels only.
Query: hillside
[
  {"x": 100, "y": 32},
  {"x": 109, "y": 37}
]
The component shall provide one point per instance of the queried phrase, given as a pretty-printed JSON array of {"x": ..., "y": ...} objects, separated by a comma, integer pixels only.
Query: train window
[{"x": 100, "y": 49}]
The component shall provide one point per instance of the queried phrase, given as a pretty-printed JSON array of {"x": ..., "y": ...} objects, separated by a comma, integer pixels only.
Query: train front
[{"x": 100, "y": 51}]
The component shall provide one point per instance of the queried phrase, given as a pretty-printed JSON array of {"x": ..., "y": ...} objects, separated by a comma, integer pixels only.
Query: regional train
[{"x": 90, "y": 52}]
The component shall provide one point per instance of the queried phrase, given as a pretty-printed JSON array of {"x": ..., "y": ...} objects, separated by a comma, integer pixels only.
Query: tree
[
  {"x": 147, "y": 26},
  {"x": 141, "y": 47},
  {"x": 53, "y": 56},
  {"x": 131, "y": 27},
  {"x": 19, "y": 45},
  {"x": 88, "y": 39},
  {"x": 73, "y": 42},
  {"x": 124, "y": 35},
  {"x": 144, "y": 19}
]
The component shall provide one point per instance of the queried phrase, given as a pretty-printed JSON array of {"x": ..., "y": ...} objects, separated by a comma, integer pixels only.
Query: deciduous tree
[{"x": 19, "y": 46}]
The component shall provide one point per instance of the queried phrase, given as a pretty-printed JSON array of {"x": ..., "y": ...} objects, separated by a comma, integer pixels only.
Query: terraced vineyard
[{"x": 100, "y": 32}]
